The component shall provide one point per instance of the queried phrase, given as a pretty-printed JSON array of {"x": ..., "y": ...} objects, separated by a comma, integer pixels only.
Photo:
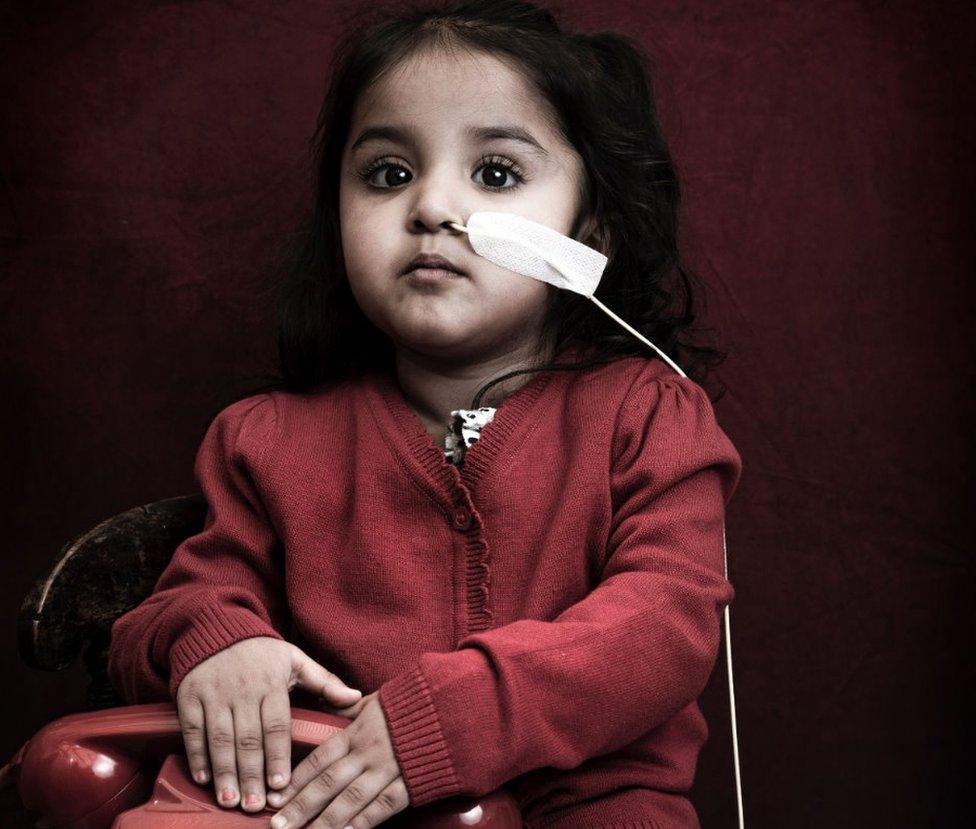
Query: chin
[{"x": 435, "y": 344}]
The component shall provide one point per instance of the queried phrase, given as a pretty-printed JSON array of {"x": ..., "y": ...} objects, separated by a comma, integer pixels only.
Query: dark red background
[{"x": 153, "y": 153}]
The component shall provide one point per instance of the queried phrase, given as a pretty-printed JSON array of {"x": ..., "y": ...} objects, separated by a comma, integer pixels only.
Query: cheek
[
  {"x": 366, "y": 266},
  {"x": 371, "y": 262},
  {"x": 511, "y": 295},
  {"x": 362, "y": 245}
]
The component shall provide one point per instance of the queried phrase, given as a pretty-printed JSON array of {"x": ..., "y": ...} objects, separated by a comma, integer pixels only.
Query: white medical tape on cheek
[{"x": 537, "y": 251}]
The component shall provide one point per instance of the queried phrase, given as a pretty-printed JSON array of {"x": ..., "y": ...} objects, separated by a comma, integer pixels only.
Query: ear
[{"x": 595, "y": 236}]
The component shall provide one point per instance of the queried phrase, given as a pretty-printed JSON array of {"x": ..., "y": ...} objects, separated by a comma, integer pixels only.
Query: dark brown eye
[
  {"x": 501, "y": 167},
  {"x": 389, "y": 178}
]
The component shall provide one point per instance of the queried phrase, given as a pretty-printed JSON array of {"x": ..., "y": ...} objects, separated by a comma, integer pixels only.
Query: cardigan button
[{"x": 462, "y": 518}]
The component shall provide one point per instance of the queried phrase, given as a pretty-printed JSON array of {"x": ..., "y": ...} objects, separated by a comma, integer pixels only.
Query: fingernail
[
  {"x": 200, "y": 776},
  {"x": 274, "y": 798},
  {"x": 251, "y": 799},
  {"x": 277, "y": 779},
  {"x": 278, "y": 821},
  {"x": 227, "y": 795}
]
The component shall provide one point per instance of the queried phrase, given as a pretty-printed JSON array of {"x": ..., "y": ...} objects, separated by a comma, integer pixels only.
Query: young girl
[{"x": 517, "y": 587}]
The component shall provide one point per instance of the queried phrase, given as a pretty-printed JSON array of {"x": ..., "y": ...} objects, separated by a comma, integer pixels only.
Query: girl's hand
[
  {"x": 353, "y": 776},
  {"x": 235, "y": 715}
]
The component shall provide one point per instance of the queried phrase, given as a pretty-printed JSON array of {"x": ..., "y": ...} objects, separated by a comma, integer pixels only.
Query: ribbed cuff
[
  {"x": 214, "y": 629},
  {"x": 418, "y": 741}
]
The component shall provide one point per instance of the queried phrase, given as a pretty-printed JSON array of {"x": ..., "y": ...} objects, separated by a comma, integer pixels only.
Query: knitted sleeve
[
  {"x": 223, "y": 584},
  {"x": 623, "y": 660}
]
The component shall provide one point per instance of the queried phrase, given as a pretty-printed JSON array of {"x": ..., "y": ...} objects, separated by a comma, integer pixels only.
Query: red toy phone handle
[{"x": 84, "y": 769}]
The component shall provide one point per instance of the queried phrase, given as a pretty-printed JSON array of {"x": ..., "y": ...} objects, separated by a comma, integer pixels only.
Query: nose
[
  {"x": 444, "y": 220},
  {"x": 433, "y": 210}
]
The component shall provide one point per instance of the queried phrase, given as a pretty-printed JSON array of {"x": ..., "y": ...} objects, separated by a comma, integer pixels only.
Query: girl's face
[{"x": 438, "y": 169}]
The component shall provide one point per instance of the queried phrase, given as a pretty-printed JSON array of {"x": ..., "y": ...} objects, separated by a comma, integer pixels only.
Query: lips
[{"x": 432, "y": 260}]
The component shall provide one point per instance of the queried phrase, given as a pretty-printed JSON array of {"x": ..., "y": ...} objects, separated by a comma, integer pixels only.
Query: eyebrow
[{"x": 403, "y": 135}]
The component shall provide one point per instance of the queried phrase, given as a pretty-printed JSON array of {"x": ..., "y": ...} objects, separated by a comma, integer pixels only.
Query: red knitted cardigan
[{"x": 542, "y": 618}]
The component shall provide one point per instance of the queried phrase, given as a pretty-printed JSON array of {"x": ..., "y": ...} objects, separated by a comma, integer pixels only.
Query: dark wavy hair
[{"x": 600, "y": 86}]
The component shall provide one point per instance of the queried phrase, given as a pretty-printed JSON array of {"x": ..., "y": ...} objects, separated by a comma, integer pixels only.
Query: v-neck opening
[
  {"x": 426, "y": 459},
  {"x": 396, "y": 416}
]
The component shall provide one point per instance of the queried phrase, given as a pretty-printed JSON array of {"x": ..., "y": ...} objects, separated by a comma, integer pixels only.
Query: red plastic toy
[{"x": 101, "y": 770}]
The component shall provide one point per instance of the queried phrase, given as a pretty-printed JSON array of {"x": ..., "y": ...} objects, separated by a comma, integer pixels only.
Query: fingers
[
  {"x": 219, "y": 724},
  {"x": 241, "y": 743},
  {"x": 276, "y": 721},
  {"x": 349, "y": 711},
  {"x": 311, "y": 676},
  {"x": 394, "y": 798},
  {"x": 324, "y": 771},
  {"x": 345, "y": 794},
  {"x": 192, "y": 724},
  {"x": 245, "y": 744},
  {"x": 249, "y": 745}
]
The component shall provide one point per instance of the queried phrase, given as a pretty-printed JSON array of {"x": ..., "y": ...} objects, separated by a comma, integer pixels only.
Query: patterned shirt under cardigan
[{"x": 464, "y": 430}]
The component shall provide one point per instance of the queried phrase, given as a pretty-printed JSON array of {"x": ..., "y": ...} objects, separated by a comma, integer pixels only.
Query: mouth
[
  {"x": 432, "y": 264},
  {"x": 432, "y": 276}
]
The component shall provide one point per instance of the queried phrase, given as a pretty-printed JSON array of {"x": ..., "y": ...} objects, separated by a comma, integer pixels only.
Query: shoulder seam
[
  {"x": 614, "y": 453},
  {"x": 669, "y": 377},
  {"x": 243, "y": 433}
]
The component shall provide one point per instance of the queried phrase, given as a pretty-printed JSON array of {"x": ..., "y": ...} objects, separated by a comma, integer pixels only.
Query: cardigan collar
[{"x": 403, "y": 430}]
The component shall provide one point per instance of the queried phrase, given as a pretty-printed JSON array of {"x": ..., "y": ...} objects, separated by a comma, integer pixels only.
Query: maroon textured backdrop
[{"x": 152, "y": 153}]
